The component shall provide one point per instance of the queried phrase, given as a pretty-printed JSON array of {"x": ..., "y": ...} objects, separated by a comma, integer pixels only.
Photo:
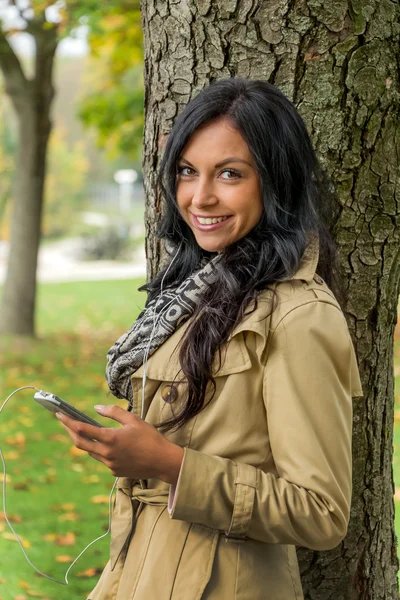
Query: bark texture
[
  {"x": 31, "y": 99},
  {"x": 338, "y": 62}
]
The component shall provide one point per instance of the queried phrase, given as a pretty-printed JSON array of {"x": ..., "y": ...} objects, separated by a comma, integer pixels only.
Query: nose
[{"x": 204, "y": 194}]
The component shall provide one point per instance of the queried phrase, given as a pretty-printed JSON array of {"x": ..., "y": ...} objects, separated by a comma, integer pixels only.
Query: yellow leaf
[
  {"x": 23, "y": 584},
  {"x": 16, "y": 440},
  {"x": 63, "y": 558},
  {"x": 71, "y": 516},
  {"x": 14, "y": 518},
  {"x": 396, "y": 494},
  {"x": 66, "y": 540},
  {"x": 100, "y": 499},
  {"x": 11, "y": 455},
  {"x": 91, "y": 572},
  {"x": 68, "y": 506},
  {"x": 74, "y": 451},
  {"x": 91, "y": 479},
  {"x": 10, "y": 536}
]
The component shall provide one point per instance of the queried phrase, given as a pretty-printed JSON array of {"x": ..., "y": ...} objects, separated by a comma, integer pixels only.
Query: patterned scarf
[{"x": 159, "y": 319}]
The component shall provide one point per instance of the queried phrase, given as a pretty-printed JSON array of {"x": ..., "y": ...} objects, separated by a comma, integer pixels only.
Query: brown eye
[
  {"x": 184, "y": 171},
  {"x": 230, "y": 174}
]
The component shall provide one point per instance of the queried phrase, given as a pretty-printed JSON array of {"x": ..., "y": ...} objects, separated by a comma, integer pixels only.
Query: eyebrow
[{"x": 222, "y": 163}]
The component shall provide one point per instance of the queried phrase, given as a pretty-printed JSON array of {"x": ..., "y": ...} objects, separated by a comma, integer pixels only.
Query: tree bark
[
  {"x": 32, "y": 101},
  {"x": 338, "y": 62}
]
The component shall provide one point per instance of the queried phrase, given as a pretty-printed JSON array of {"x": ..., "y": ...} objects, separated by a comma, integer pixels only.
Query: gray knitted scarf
[{"x": 159, "y": 319}]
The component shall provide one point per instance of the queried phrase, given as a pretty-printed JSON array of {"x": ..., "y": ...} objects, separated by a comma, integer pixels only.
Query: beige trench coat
[{"x": 267, "y": 464}]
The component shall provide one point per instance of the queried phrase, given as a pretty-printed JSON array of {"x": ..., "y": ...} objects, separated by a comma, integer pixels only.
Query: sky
[{"x": 23, "y": 43}]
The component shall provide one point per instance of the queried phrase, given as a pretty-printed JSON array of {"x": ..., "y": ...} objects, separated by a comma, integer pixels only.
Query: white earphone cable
[{"x": 12, "y": 528}]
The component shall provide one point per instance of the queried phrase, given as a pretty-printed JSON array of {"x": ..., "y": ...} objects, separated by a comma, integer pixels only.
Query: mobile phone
[{"x": 55, "y": 404}]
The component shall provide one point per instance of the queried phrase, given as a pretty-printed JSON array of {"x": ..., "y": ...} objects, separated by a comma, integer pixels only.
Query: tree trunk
[
  {"x": 337, "y": 61},
  {"x": 32, "y": 102}
]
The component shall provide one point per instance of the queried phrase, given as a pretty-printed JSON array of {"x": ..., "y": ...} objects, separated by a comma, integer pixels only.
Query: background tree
[
  {"x": 338, "y": 63},
  {"x": 47, "y": 21},
  {"x": 7, "y": 155}
]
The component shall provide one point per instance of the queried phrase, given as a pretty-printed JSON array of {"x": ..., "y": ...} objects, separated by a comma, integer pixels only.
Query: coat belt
[{"x": 128, "y": 503}]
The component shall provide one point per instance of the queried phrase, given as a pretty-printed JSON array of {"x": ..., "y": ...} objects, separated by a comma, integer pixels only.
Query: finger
[
  {"x": 116, "y": 413},
  {"x": 82, "y": 429},
  {"x": 82, "y": 442},
  {"x": 97, "y": 457}
]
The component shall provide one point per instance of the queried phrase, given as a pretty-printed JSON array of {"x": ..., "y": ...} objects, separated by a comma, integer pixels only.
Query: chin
[{"x": 211, "y": 248}]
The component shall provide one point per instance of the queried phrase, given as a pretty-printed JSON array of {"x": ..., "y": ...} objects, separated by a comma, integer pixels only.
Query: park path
[{"x": 59, "y": 262}]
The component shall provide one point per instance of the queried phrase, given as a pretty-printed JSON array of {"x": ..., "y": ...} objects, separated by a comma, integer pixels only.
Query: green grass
[
  {"x": 51, "y": 488},
  {"x": 88, "y": 306}
]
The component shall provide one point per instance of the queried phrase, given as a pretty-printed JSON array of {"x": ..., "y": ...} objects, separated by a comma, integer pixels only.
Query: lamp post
[{"x": 125, "y": 179}]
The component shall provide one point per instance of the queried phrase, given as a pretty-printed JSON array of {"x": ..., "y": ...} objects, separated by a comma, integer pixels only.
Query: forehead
[{"x": 218, "y": 138}]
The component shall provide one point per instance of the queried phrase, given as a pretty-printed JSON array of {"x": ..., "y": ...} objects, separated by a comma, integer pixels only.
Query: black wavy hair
[{"x": 298, "y": 201}]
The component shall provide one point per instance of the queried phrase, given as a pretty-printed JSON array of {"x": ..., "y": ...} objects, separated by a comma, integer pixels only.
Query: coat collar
[{"x": 309, "y": 261}]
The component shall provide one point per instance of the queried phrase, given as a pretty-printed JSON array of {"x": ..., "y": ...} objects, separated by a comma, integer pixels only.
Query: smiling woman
[{"x": 239, "y": 372}]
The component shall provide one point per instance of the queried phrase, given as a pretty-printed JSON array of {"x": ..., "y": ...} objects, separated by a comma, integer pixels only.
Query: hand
[{"x": 135, "y": 450}]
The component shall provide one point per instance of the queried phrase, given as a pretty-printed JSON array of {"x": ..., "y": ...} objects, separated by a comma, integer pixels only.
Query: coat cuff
[{"x": 215, "y": 492}]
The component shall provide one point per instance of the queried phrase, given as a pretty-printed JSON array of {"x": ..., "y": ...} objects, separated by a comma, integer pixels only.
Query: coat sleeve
[{"x": 308, "y": 400}]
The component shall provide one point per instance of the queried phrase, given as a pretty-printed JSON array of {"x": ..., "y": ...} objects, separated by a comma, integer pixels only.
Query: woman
[{"x": 245, "y": 450}]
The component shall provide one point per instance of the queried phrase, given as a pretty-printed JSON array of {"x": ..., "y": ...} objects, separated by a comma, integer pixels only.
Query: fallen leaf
[
  {"x": 63, "y": 558},
  {"x": 74, "y": 451},
  {"x": 91, "y": 572},
  {"x": 59, "y": 437},
  {"x": 66, "y": 540},
  {"x": 11, "y": 455},
  {"x": 100, "y": 499},
  {"x": 397, "y": 493},
  {"x": 14, "y": 518},
  {"x": 16, "y": 440},
  {"x": 68, "y": 506},
  {"x": 91, "y": 479},
  {"x": 69, "y": 516},
  {"x": 26, "y": 421},
  {"x": 10, "y": 536},
  {"x": 77, "y": 467},
  {"x": 24, "y": 585}
]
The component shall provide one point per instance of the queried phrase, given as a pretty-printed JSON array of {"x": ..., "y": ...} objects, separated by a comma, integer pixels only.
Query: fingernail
[
  {"x": 99, "y": 407},
  {"x": 58, "y": 415}
]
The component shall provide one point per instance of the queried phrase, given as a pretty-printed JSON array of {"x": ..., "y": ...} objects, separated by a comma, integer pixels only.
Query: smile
[
  {"x": 210, "y": 220},
  {"x": 209, "y": 223}
]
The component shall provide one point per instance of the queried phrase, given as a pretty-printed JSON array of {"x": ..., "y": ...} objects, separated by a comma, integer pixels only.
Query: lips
[{"x": 210, "y": 226}]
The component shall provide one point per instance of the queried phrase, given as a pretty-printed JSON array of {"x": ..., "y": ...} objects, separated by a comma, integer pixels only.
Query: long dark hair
[{"x": 297, "y": 202}]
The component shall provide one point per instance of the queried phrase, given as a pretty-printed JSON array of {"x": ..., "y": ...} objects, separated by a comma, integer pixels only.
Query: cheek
[{"x": 182, "y": 199}]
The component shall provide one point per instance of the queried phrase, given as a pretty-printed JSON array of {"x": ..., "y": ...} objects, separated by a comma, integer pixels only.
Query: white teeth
[{"x": 209, "y": 221}]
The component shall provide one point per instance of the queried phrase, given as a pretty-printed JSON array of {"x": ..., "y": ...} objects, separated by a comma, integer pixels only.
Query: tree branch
[{"x": 14, "y": 76}]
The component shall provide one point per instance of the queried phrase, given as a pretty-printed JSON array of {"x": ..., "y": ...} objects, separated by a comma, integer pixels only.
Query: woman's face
[{"x": 218, "y": 190}]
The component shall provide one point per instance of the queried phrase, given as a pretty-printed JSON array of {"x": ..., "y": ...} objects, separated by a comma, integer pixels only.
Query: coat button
[
  {"x": 169, "y": 393},
  {"x": 318, "y": 279}
]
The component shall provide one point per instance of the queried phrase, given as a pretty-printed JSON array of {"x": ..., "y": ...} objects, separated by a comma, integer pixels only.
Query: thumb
[{"x": 114, "y": 412}]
